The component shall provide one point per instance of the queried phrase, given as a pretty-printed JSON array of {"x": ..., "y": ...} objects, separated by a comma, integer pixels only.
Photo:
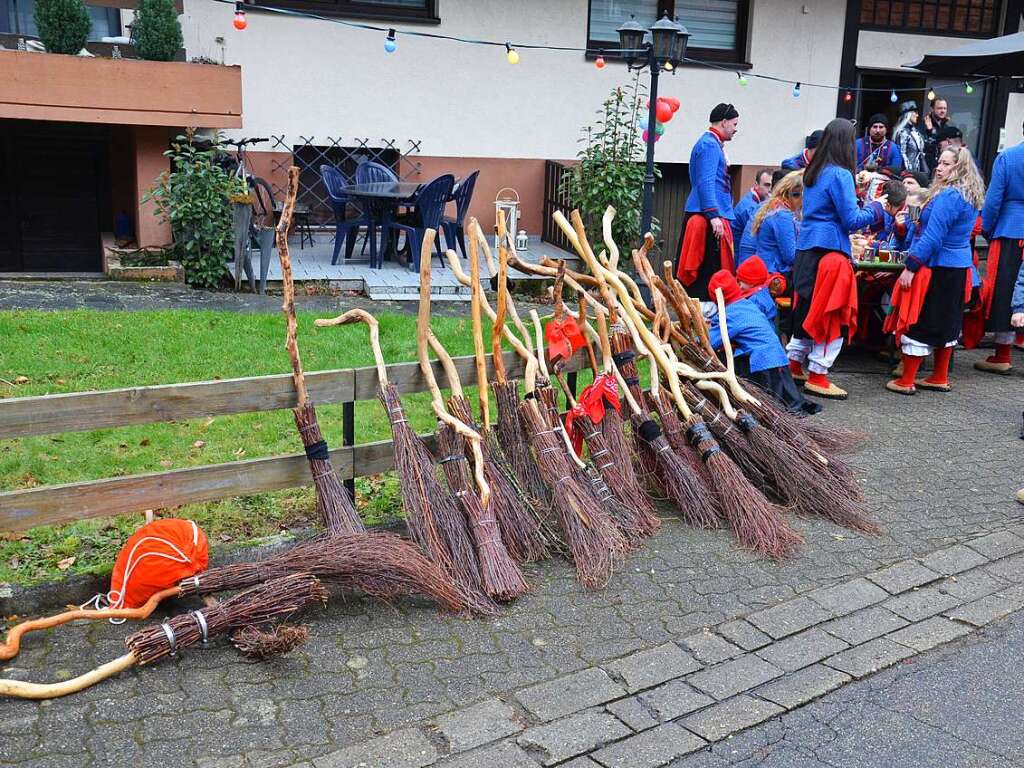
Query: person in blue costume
[
  {"x": 875, "y": 151},
  {"x": 750, "y": 202},
  {"x": 705, "y": 243},
  {"x": 760, "y": 355},
  {"x": 1002, "y": 223},
  {"x": 897, "y": 230},
  {"x": 755, "y": 282},
  {"x": 796, "y": 162},
  {"x": 773, "y": 230},
  {"x": 930, "y": 295},
  {"x": 825, "y": 291}
]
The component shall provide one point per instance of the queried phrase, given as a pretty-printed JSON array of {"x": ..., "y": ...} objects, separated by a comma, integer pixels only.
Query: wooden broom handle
[
  {"x": 476, "y": 290},
  {"x": 521, "y": 349},
  {"x": 574, "y": 280},
  {"x": 498, "y": 319},
  {"x": 454, "y": 381},
  {"x": 507, "y": 254},
  {"x": 541, "y": 361},
  {"x": 606, "y": 344},
  {"x": 22, "y": 690},
  {"x": 437, "y": 399},
  {"x": 544, "y": 372},
  {"x": 586, "y": 341},
  {"x": 362, "y": 316},
  {"x": 589, "y": 258},
  {"x": 609, "y": 241},
  {"x": 481, "y": 239},
  {"x": 629, "y": 310},
  {"x": 10, "y": 648},
  {"x": 288, "y": 284}
]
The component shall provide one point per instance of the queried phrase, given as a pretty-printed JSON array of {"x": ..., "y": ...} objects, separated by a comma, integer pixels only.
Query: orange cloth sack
[{"x": 157, "y": 556}]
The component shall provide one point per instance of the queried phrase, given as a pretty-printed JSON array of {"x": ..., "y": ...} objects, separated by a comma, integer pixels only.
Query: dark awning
[{"x": 1000, "y": 56}]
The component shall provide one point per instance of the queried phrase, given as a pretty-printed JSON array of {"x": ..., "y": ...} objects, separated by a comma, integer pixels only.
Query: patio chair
[
  {"x": 344, "y": 228},
  {"x": 370, "y": 172},
  {"x": 429, "y": 213},
  {"x": 454, "y": 230}
]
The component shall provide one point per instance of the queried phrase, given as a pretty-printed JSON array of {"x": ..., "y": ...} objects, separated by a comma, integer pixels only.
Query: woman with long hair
[
  {"x": 774, "y": 227},
  {"x": 825, "y": 300},
  {"x": 929, "y": 298}
]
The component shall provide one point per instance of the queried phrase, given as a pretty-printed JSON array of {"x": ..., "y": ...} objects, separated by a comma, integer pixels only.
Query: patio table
[{"x": 380, "y": 200}]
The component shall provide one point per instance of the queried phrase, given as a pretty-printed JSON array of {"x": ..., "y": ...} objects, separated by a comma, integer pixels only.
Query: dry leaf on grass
[
  {"x": 198, "y": 443},
  {"x": 22, "y": 380},
  {"x": 66, "y": 563}
]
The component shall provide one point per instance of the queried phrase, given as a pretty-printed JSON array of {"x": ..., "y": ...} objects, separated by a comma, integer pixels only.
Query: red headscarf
[{"x": 725, "y": 280}]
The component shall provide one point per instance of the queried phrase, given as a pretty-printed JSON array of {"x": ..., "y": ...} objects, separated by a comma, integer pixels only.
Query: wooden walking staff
[
  {"x": 332, "y": 500},
  {"x": 478, "y": 329},
  {"x": 267, "y": 603}
]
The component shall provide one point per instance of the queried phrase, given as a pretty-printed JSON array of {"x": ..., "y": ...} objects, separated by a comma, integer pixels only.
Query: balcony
[{"x": 46, "y": 86}]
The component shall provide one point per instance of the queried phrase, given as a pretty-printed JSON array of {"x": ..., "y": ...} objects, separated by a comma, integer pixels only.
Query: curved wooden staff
[
  {"x": 478, "y": 331},
  {"x": 609, "y": 241},
  {"x": 437, "y": 399},
  {"x": 9, "y": 649},
  {"x": 506, "y": 254},
  {"x": 362, "y": 316},
  {"x": 288, "y": 305}
]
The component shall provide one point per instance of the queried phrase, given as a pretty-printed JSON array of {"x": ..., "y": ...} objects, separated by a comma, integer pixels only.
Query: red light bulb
[
  {"x": 240, "y": 22},
  {"x": 599, "y": 62},
  {"x": 847, "y": 97}
]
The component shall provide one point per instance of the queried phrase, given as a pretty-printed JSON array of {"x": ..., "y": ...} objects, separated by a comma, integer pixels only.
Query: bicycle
[{"x": 262, "y": 217}]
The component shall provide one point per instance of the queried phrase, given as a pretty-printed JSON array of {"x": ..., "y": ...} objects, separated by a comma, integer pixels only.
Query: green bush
[
  {"x": 156, "y": 30},
  {"x": 194, "y": 197},
  {"x": 610, "y": 170},
  {"x": 63, "y": 25}
]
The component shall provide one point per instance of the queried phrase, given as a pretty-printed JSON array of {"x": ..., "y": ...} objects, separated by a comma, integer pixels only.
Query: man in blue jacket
[
  {"x": 877, "y": 151},
  {"x": 1002, "y": 222},
  {"x": 706, "y": 244},
  {"x": 750, "y": 202},
  {"x": 796, "y": 162}
]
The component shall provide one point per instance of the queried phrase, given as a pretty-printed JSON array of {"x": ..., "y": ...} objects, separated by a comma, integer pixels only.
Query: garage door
[{"x": 55, "y": 197}]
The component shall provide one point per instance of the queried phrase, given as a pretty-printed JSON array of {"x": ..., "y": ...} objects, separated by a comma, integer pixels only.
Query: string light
[
  {"x": 893, "y": 97},
  {"x": 389, "y": 42},
  {"x": 513, "y": 55},
  {"x": 668, "y": 66},
  {"x": 599, "y": 61}
]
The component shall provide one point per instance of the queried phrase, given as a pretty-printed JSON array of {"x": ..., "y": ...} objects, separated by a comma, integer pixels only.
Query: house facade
[{"x": 436, "y": 106}]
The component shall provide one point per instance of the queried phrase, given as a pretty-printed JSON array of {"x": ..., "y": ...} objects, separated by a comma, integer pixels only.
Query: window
[
  {"x": 718, "y": 28},
  {"x": 387, "y": 10},
  {"x": 16, "y": 18},
  {"x": 969, "y": 18}
]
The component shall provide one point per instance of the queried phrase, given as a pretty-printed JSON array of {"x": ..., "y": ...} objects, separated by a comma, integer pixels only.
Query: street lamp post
[{"x": 667, "y": 46}]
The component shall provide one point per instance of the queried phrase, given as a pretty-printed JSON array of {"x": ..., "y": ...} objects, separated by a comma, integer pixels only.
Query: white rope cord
[{"x": 115, "y": 597}]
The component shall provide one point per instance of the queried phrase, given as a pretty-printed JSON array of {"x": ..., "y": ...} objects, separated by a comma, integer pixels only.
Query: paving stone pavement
[{"x": 940, "y": 473}]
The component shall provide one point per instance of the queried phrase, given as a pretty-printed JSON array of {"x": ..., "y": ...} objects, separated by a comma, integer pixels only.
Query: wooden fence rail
[{"x": 82, "y": 411}]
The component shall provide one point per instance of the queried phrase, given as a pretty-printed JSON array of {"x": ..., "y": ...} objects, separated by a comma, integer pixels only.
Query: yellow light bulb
[{"x": 512, "y": 56}]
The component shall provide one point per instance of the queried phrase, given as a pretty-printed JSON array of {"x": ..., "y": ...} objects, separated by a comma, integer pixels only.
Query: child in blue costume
[{"x": 754, "y": 341}]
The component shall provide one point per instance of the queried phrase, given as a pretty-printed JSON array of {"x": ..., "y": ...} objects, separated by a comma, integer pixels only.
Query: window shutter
[{"x": 711, "y": 23}]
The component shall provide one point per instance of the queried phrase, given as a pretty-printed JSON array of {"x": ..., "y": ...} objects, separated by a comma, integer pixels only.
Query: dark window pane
[{"x": 606, "y": 16}]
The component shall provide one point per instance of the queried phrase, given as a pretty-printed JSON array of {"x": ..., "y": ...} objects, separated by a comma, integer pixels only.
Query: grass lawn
[{"x": 80, "y": 350}]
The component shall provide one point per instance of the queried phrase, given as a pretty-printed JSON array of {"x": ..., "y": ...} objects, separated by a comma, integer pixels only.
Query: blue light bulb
[
  {"x": 796, "y": 91},
  {"x": 893, "y": 97},
  {"x": 389, "y": 43}
]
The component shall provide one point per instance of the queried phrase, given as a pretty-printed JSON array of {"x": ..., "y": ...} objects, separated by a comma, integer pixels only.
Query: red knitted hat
[
  {"x": 752, "y": 271},
  {"x": 724, "y": 279}
]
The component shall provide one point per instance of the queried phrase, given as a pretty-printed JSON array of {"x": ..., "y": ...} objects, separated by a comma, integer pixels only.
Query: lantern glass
[
  {"x": 631, "y": 39},
  {"x": 664, "y": 34},
  {"x": 682, "y": 38}
]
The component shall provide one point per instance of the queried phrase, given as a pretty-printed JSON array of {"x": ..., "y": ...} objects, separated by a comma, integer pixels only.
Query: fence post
[{"x": 348, "y": 438}]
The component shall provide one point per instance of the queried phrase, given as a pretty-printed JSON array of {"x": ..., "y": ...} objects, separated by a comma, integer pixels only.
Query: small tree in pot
[
  {"x": 63, "y": 25},
  {"x": 156, "y": 30},
  {"x": 196, "y": 199}
]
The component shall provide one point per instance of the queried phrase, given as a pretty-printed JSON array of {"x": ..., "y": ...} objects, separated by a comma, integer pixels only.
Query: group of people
[{"x": 786, "y": 244}]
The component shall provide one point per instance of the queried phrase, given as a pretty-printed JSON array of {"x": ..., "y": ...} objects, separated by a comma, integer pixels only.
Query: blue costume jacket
[
  {"x": 751, "y": 334},
  {"x": 744, "y": 212},
  {"x": 796, "y": 162},
  {"x": 887, "y": 154},
  {"x": 889, "y": 236},
  {"x": 1003, "y": 214},
  {"x": 943, "y": 236},
  {"x": 762, "y": 299},
  {"x": 747, "y": 245},
  {"x": 1017, "y": 302},
  {"x": 710, "y": 186},
  {"x": 776, "y": 240},
  {"x": 831, "y": 213}
]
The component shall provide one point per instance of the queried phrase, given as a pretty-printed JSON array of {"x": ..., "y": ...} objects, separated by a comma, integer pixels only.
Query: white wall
[
  {"x": 889, "y": 50},
  {"x": 1014, "y": 118},
  {"x": 317, "y": 79}
]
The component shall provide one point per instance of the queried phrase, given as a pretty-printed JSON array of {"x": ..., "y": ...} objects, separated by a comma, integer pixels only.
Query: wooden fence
[{"x": 83, "y": 411}]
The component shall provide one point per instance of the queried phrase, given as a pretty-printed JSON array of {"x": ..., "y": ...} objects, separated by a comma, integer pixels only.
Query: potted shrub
[
  {"x": 156, "y": 31},
  {"x": 195, "y": 198},
  {"x": 63, "y": 25}
]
